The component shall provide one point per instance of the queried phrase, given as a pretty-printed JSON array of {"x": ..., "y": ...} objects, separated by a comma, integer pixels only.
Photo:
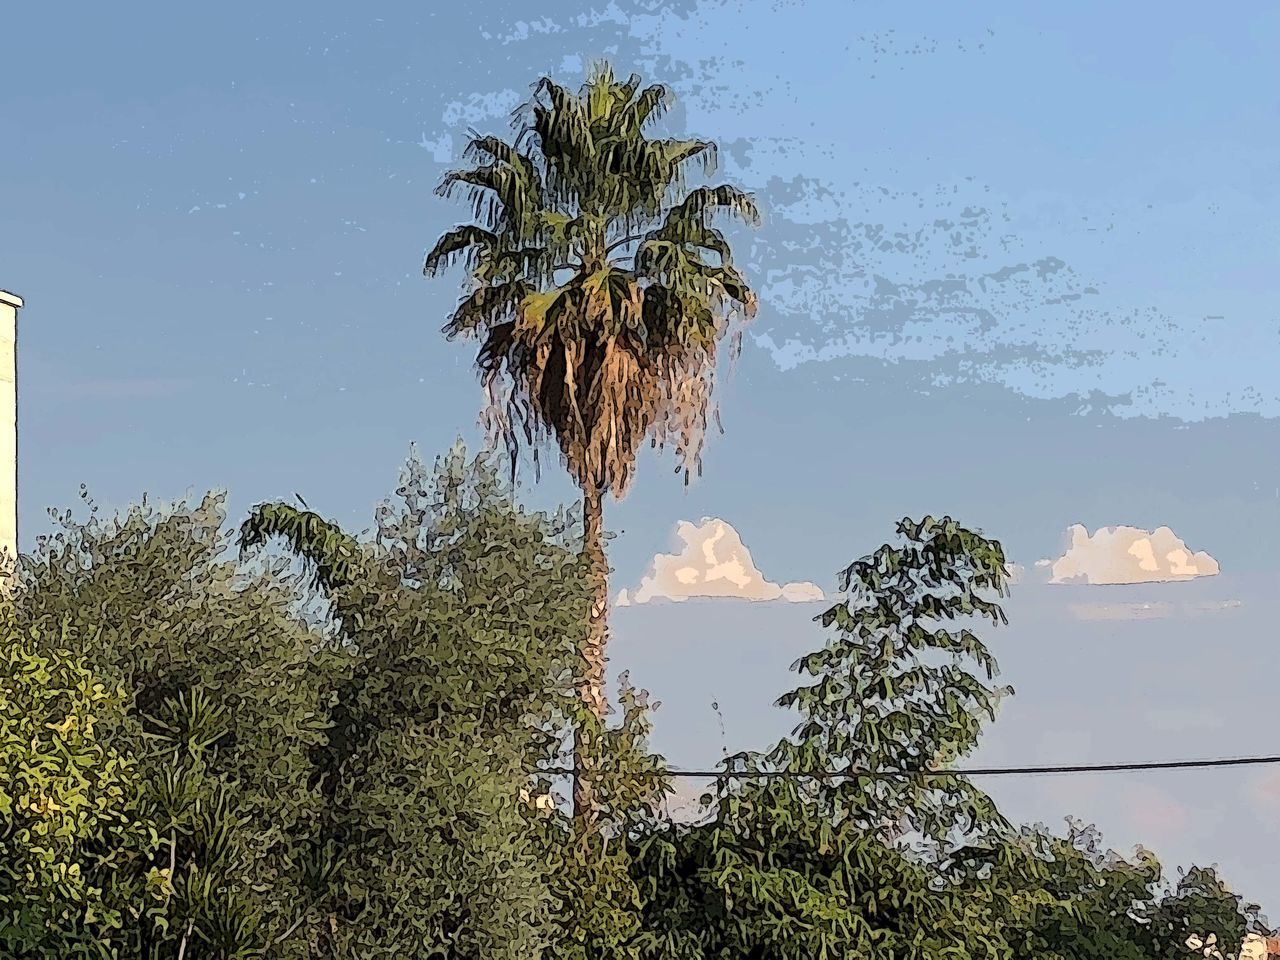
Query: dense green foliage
[
  {"x": 794, "y": 866},
  {"x": 327, "y": 752},
  {"x": 333, "y": 785},
  {"x": 215, "y": 665},
  {"x": 463, "y": 617},
  {"x": 74, "y": 834}
]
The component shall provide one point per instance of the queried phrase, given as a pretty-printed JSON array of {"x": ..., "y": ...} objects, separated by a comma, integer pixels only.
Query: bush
[{"x": 73, "y": 837}]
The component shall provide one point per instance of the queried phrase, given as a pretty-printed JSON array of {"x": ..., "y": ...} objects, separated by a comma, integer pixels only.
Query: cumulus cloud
[
  {"x": 1128, "y": 555},
  {"x": 712, "y": 562}
]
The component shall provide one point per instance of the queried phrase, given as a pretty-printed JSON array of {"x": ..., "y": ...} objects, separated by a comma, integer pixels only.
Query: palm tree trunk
[{"x": 591, "y": 686}]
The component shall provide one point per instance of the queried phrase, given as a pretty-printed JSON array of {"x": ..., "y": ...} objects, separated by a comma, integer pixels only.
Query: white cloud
[
  {"x": 1129, "y": 555},
  {"x": 712, "y": 562}
]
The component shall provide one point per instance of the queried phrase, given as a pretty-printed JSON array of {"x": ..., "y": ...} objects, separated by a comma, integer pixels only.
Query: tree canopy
[
  {"x": 598, "y": 285},
  {"x": 331, "y": 750}
]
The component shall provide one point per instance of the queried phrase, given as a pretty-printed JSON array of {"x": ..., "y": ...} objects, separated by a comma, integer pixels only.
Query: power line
[{"x": 959, "y": 772}]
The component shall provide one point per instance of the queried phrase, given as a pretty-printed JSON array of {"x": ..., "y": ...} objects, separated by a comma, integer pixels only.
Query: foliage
[
  {"x": 803, "y": 867},
  {"x": 901, "y": 689},
  {"x": 1200, "y": 905},
  {"x": 599, "y": 895},
  {"x": 73, "y": 829},
  {"x": 461, "y": 619},
  {"x": 1069, "y": 898},
  {"x": 348, "y": 785},
  {"x": 226, "y": 693},
  {"x": 770, "y": 879},
  {"x": 598, "y": 285},
  {"x": 1063, "y": 897},
  {"x": 194, "y": 765}
]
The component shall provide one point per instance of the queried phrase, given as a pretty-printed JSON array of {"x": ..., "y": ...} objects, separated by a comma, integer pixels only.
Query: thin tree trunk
[{"x": 591, "y": 686}]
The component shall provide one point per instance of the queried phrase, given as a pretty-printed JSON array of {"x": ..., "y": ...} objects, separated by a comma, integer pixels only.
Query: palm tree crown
[{"x": 598, "y": 287}]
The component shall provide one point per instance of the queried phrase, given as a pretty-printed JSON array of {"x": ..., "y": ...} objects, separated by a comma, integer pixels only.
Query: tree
[
  {"x": 461, "y": 620},
  {"x": 1068, "y": 897},
  {"x": 805, "y": 865},
  {"x": 206, "y": 651},
  {"x": 1201, "y": 906},
  {"x": 771, "y": 878},
  {"x": 226, "y": 700},
  {"x": 596, "y": 877},
  {"x": 901, "y": 690},
  {"x": 600, "y": 292},
  {"x": 333, "y": 750}
]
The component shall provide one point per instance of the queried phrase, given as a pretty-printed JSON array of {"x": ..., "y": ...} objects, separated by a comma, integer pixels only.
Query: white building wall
[{"x": 9, "y": 306}]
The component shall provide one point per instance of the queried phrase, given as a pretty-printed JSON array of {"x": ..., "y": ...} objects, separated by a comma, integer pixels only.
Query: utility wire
[{"x": 960, "y": 772}]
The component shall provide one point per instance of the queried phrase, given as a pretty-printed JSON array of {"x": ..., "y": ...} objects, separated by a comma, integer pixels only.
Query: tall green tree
[
  {"x": 600, "y": 292},
  {"x": 807, "y": 865},
  {"x": 903, "y": 688},
  {"x": 462, "y": 621}
]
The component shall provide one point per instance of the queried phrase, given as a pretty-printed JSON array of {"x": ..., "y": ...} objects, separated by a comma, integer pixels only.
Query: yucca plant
[{"x": 600, "y": 291}]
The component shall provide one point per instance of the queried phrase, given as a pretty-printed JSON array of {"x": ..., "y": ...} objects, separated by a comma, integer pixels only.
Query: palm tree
[{"x": 599, "y": 291}]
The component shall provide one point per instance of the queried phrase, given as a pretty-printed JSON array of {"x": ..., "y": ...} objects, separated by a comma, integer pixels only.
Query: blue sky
[{"x": 1018, "y": 265}]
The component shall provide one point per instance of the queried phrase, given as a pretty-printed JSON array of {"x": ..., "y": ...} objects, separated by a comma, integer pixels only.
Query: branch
[
  {"x": 623, "y": 242},
  {"x": 292, "y": 927}
]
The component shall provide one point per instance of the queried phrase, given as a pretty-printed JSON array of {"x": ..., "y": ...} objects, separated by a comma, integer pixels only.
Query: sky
[{"x": 1018, "y": 265}]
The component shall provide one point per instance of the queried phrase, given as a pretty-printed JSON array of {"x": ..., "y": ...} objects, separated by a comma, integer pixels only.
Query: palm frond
[
  {"x": 733, "y": 285},
  {"x": 536, "y": 264},
  {"x": 537, "y": 311},
  {"x": 487, "y": 307},
  {"x": 651, "y": 103},
  {"x": 500, "y": 195},
  {"x": 601, "y": 93},
  {"x": 485, "y": 150},
  {"x": 328, "y": 552},
  {"x": 628, "y": 88},
  {"x": 464, "y": 242},
  {"x": 703, "y": 200},
  {"x": 564, "y": 136},
  {"x": 678, "y": 152},
  {"x": 661, "y": 261}
]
